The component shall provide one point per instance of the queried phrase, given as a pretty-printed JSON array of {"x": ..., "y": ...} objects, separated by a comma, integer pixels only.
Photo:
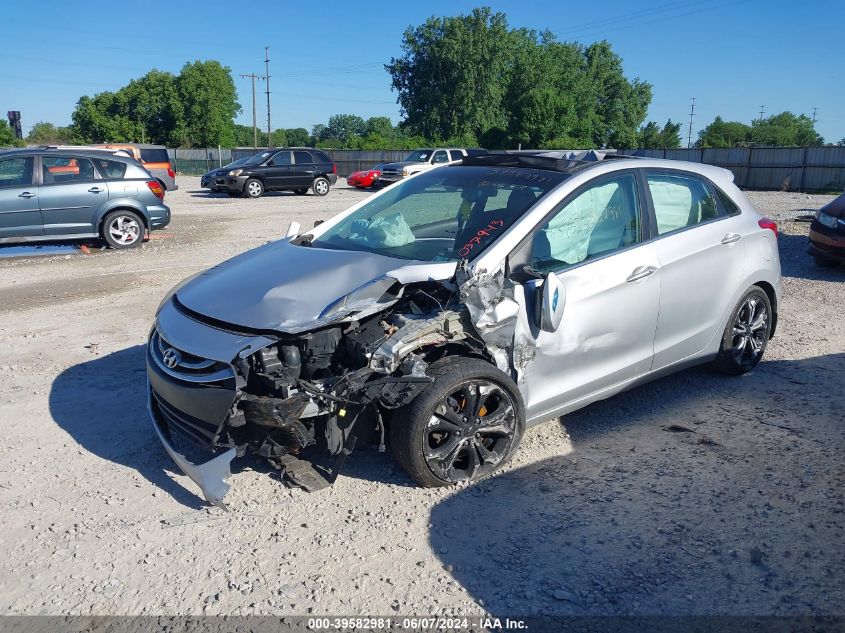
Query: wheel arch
[
  {"x": 122, "y": 206},
  {"x": 769, "y": 289}
]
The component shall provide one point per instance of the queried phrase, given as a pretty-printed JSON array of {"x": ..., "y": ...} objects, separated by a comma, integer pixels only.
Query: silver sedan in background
[{"x": 445, "y": 314}]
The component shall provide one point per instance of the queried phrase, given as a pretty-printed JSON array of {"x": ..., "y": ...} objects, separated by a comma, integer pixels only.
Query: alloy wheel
[
  {"x": 750, "y": 329},
  {"x": 322, "y": 187},
  {"x": 124, "y": 230},
  {"x": 254, "y": 189},
  {"x": 471, "y": 430}
]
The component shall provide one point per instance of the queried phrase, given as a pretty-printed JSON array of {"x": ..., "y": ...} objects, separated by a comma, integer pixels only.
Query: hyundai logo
[
  {"x": 555, "y": 298},
  {"x": 171, "y": 358}
]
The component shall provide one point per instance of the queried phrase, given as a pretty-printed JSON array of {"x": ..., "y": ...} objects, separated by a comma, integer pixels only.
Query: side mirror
[
  {"x": 318, "y": 222},
  {"x": 551, "y": 308}
]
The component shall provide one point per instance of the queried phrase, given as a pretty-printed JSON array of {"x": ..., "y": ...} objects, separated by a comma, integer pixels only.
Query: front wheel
[
  {"x": 463, "y": 427},
  {"x": 320, "y": 186},
  {"x": 746, "y": 334},
  {"x": 123, "y": 229},
  {"x": 253, "y": 188}
]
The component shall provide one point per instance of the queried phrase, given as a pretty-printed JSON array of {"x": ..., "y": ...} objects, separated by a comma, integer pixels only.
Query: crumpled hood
[{"x": 285, "y": 288}]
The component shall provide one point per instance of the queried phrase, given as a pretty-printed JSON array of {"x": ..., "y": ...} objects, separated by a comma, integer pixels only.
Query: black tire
[
  {"x": 320, "y": 186},
  {"x": 823, "y": 262},
  {"x": 253, "y": 188},
  {"x": 301, "y": 192},
  {"x": 123, "y": 229},
  {"x": 743, "y": 342},
  {"x": 433, "y": 424}
]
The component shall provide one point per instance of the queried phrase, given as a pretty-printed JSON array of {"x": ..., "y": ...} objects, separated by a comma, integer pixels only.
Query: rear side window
[
  {"x": 455, "y": 154},
  {"x": 680, "y": 201},
  {"x": 154, "y": 155},
  {"x": 728, "y": 206},
  {"x": 58, "y": 169},
  {"x": 111, "y": 169},
  {"x": 323, "y": 158},
  {"x": 15, "y": 172},
  {"x": 303, "y": 158}
]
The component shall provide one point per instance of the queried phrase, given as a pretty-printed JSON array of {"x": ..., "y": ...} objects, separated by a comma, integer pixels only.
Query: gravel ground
[{"x": 736, "y": 509}]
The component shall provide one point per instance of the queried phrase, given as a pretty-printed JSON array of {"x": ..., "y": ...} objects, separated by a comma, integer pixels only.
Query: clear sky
[{"x": 733, "y": 56}]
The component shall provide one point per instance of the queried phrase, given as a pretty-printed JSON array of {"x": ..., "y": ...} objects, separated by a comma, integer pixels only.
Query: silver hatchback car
[
  {"x": 67, "y": 193},
  {"x": 447, "y": 313}
]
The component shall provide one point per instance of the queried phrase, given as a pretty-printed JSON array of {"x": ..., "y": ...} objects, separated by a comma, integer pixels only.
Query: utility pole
[
  {"x": 253, "y": 76},
  {"x": 762, "y": 110},
  {"x": 267, "y": 79},
  {"x": 814, "y": 116},
  {"x": 691, "y": 114}
]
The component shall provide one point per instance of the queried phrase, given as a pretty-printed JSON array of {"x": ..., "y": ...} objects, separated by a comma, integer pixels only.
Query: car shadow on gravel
[
  {"x": 796, "y": 262},
  {"x": 680, "y": 497},
  {"x": 101, "y": 404}
]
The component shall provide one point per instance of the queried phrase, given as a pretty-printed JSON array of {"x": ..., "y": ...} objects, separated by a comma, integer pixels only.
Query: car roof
[
  {"x": 570, "y": 162},
  {"x": 88, "y": 152}
]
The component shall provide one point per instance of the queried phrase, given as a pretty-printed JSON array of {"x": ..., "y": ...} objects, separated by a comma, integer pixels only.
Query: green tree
[
  {"x": 721, "y": 133},
  {"x": 155, "y": 104},
  {"x": 244, "y": 136},
  {"x": 345, "y": 126},
  {"x": 786, "y": 129},
  {"x": 453, "y": 74},
  {"x": 43, "y": 133},
  {"x": 298, "y": 137},
  {"x": 471, "y": 76},
  {"x": 380, "y": 126},
  {"x": 103, "y": 118},
  {"x": 652, "y": 136},
  {"x": 7, "y": 136},
  {"x": 210, "y": 104}
]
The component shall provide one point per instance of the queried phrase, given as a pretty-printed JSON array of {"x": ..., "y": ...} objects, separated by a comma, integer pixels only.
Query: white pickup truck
[{"x": 423, "y": 160}]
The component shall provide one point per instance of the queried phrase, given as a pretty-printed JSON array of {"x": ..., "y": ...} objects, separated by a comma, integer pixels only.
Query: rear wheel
[
  {"x": 746, "y": 334},
  {"x": 123, "y": 229},
  {"x": 463, "y": 427},
  {"x": 253, "y": 188},
  {"x": 320, "y": 186}
]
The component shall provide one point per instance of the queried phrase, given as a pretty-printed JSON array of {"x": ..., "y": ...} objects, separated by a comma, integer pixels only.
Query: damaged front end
[{"x": 300, "y": 400}]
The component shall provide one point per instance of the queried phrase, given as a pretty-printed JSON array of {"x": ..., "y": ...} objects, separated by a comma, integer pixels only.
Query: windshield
[
  {"x": 258, "y": 158},
  {"x": 443, "y": 215},
  {"x": 420, "y": 156},
  {"x": 235, "y": 163}
]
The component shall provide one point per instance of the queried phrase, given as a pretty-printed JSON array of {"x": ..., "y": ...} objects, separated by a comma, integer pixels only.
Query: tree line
[{"x": 466, "y": 80}]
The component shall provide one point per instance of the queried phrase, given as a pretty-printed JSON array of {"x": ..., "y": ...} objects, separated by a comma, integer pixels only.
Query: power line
[{"x": 691, "y": 115}]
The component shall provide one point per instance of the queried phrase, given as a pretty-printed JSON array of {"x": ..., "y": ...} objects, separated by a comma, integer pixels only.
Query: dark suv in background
[{"x": 294, "y": 169}]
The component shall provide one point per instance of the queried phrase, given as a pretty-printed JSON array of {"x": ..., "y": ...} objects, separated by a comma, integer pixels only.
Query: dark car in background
[
  {"x": 209, "y": 179},
  {"x": 154, "y": 158},
  {"x": 296, "y": 169},
  {"x": 827, "y": 234},
  {"x": 57, "y": 194}
]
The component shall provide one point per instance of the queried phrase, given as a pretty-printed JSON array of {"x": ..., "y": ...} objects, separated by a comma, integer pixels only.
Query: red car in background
[{"x": 364, "y": 178}]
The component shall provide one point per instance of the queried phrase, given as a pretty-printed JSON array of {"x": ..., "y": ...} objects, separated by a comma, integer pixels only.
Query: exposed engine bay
[{"x": 327, "y": 389}]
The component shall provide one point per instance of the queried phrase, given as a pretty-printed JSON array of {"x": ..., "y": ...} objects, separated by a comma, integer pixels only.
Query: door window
[
  {"x": 15, "y": 172},
  {"x": 62, "y": 169},
  {"x": 455, "y": 154},
  {"x": 440, "y": 157},
  {"x": 280, "y": 159},
  {"x": 604, "y": 218},
  {"x": 302, "y": 158},
  {"x": 680, "y": 201}
]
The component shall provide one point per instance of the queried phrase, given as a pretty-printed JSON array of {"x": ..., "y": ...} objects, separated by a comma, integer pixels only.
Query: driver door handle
[
  {"x": 95, "y": 190},
  {"x": 641, "y": 272},
  {"x": 27, "y": 195},
  {"x": 730, "y": 238}
]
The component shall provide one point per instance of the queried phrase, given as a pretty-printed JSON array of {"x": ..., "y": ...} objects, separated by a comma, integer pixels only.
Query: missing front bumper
[{"x": 210, "y": 476}]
